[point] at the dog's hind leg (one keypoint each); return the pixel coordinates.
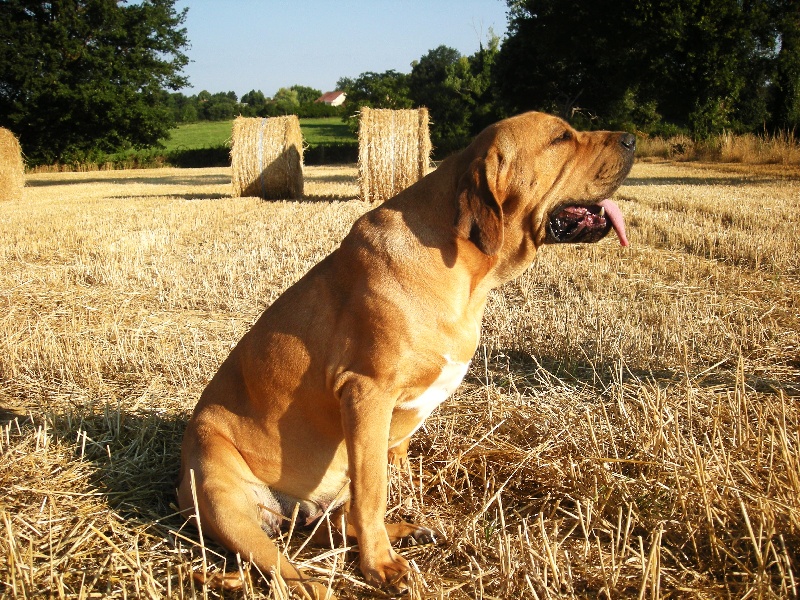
(236, 509)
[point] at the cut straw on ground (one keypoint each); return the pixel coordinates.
(629, 427)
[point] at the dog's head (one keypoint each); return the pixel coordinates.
(533, 179)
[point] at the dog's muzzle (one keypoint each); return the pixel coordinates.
(585, 224)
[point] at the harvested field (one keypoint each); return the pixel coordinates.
(629, 427)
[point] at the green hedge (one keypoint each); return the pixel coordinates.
(210, 156)
(331, 154)
(219, 156)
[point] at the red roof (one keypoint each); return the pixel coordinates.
(329, 97)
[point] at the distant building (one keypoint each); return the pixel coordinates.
(333, 98)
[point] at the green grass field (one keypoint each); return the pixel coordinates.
(199, 135)
(205, 134)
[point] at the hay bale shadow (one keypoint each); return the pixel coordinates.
(267, 157)
(276, 181)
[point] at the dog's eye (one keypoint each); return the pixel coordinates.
(564, 137)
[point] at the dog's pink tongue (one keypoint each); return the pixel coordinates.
(614, 214)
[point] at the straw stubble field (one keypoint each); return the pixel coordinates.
(629, 426)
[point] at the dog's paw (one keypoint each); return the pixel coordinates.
(388, 575)
(317, 591)
(423, 536)
(219, 581)
(411, 534)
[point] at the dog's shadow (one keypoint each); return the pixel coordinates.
(128, 463)
(539, 372)
(133, 457)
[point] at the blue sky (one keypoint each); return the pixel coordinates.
(240, 45)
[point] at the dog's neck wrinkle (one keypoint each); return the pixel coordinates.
(427, 209)
(425, 254)
(440, 208)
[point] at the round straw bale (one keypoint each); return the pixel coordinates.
(267, 157)
(12, 169)
(394, 149)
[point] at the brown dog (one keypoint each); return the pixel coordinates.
(350, 360)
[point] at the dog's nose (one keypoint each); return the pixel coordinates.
(628, 140)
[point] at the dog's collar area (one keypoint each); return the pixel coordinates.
(576, 223)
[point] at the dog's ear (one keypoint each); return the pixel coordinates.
(479, 216)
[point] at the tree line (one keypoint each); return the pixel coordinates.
(223, 106)
(656, 66)
(84, 76)
(456, 89)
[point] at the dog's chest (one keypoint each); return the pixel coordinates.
(445, 384)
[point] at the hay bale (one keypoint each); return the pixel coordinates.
(267, 157)
(12, 169)
(394, 149)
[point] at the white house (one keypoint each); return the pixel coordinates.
(333, 98)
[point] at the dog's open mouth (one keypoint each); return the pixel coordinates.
(586, 224)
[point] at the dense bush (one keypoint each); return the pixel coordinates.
(332, 153)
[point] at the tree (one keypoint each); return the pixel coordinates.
(81, 76)
(701, 64)
(435, 82)
(221, 106)
(785, 104)
(305, 94)
(254, 98)
(486, 108)
(184, 109)
(720, 63)
(566, 57)
(456, 90)
(255, 103)
(286, 101)
(376, 90)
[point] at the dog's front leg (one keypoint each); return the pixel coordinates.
(366, 419)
